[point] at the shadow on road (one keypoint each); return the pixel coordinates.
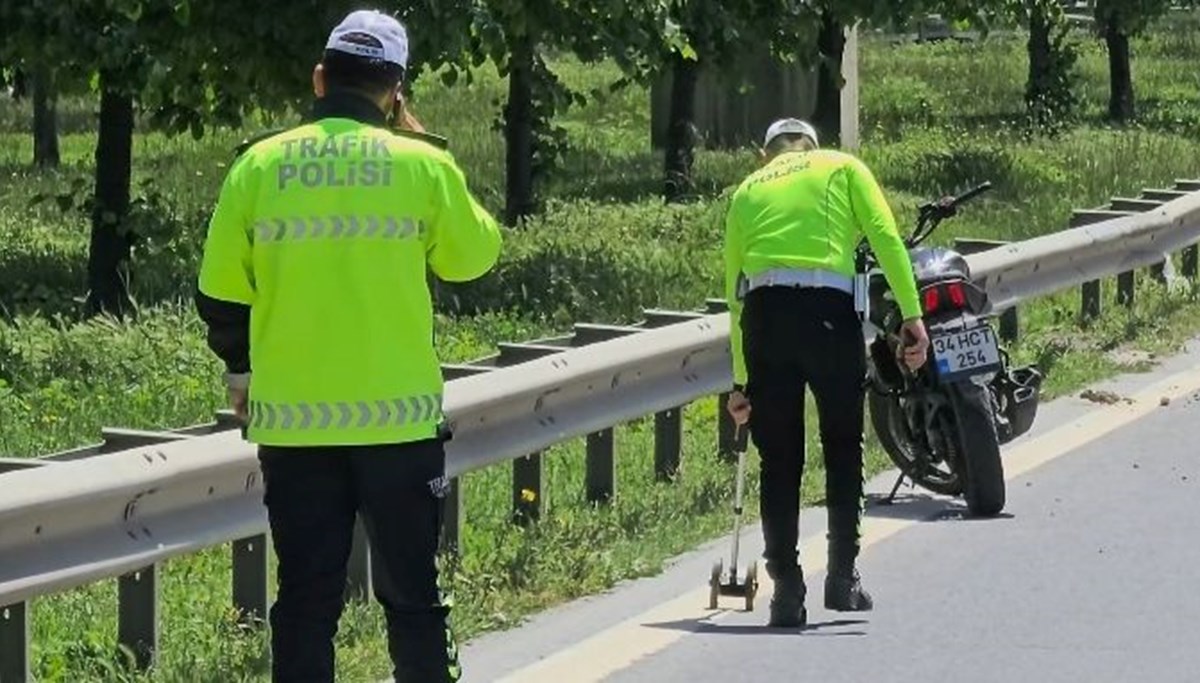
(922, 507)
(820, 628)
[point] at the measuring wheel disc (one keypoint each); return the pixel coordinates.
(714, 584)
(751, 585)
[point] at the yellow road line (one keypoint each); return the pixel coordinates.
(622, 645)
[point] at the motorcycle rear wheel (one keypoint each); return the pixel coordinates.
(984, 488)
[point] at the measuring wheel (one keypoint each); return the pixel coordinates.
(751, 585)
(714, 583)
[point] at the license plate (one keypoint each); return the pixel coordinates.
(967, 352)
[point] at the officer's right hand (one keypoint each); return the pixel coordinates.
(239, 401)
(738, 407)
(404, 117)
(915, 349)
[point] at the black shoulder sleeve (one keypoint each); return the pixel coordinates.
(229, 323)
(228, 331)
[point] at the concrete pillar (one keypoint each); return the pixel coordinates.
(850, 99)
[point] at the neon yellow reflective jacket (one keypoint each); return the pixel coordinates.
(808, 210)
(326, 231)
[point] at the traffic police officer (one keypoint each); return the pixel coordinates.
(791, 230)
(314, 280)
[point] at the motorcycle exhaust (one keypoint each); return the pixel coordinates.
(1021, 388)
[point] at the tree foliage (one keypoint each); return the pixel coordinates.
(716, 34)
(515, 35)
(185, 65)
(1131, 17)
(1050, 91)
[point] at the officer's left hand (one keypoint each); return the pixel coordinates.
(738, 407)
(238, 401)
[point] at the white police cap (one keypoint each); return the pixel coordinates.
(387, 31)
(790, 127)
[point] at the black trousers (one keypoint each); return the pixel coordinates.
(793, 338)
(312, 498)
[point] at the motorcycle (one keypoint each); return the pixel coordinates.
(943, 425)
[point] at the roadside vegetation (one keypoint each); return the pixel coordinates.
(936, 118)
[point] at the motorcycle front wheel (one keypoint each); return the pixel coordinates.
(933, 467)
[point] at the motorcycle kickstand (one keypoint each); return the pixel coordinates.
(891, 497)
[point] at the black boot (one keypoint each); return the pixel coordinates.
(787, 604)
(844, 592)
(843, 587)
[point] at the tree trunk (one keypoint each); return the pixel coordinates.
(518, 133)
(1039, 91)
(831, 43)
(1120, 98)
(1037, 86)
(681, 129)
(108, 258)
(45, 119)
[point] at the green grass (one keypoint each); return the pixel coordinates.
(936, 118)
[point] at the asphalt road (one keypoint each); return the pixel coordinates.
(1090, 576)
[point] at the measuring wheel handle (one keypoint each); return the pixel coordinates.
(751, 585)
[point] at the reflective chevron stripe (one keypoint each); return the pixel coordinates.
(296, 228)
(345, 414)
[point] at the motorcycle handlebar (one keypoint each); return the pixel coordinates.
(949, 205)
(931, 214)
(973, 193)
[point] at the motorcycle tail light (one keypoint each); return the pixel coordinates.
(958, 295)
(931, 300)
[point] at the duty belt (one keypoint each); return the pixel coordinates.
(801, 279)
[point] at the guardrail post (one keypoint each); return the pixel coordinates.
(527, 488)
(726, 447)
(358, 569)
(250, 579)
(1126, 284)
(1158, 272)
(668, 442)
(1010, 325)
(452, 516)
(137, 614)
(14, 644)
(527, 495)
(1091, 306)
(1190, 262)
(601, 480)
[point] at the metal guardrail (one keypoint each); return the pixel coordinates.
(144, 497)
(117, 509)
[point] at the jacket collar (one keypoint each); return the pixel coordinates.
(347, 105)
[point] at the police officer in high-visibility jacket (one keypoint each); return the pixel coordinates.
(791, 230)
(313, 286)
